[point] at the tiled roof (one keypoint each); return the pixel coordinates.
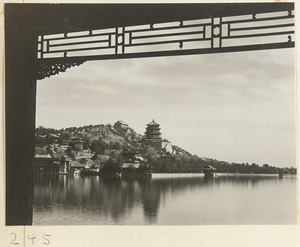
(48, 156)
(79, 157)
(209, 168)
(121, 122)
(77, 164)
(86, 162)
(153, 123)
(90, 162)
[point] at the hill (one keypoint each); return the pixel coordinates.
(110, 141)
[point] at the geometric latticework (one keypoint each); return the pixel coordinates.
(269, 30)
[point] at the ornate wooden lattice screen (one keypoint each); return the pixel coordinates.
(57, 52)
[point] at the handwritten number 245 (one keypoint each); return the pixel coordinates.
(32, 238)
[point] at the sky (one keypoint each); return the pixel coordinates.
(235, 107)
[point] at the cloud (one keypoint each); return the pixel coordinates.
(208, 104)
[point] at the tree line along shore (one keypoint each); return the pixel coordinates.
(111, 142)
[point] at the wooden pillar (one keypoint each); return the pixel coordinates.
(20, 99)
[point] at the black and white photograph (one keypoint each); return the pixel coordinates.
(150, 114)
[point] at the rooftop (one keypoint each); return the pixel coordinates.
(102, 15)
(209, 168)
(48, 156)
(121, 122)
(153, 123)
(77, 164)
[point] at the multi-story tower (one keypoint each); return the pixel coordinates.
(152, 135)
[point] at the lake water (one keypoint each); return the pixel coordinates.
(166, 199)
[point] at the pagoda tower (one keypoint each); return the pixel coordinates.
(152, 135)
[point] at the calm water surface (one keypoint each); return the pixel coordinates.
(166, 199)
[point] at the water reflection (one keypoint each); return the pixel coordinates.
(95, 200)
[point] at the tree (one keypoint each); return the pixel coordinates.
(77, 147)
(64, 136)
(40, 142)
(70, 152)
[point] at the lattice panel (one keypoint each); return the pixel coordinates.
(211, 35)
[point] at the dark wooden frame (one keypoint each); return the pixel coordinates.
(23, 24)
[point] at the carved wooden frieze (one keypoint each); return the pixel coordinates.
(217, 34)
(47, 69)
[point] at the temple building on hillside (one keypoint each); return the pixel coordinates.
(120, 125)
(152, 136)
(76, 141)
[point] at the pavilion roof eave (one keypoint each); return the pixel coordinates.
(73, 17)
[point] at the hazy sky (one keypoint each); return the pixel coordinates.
(236, 107)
